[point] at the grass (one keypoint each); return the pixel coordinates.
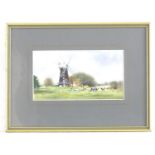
(71, 93)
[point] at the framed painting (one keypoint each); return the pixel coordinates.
(78, 77)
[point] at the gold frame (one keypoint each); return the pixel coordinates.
(79, 129)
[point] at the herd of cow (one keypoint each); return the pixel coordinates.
(92, 89)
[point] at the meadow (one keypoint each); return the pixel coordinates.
(74, 93)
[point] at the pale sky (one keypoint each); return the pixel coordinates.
(103, 65)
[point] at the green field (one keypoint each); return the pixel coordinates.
(72, 93)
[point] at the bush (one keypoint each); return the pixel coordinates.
(116, 85)
(48, 82)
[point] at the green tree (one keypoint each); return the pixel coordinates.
(48, 82)
(114, 84)
(83, 78)
(36, 82)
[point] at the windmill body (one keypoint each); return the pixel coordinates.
(64, 77)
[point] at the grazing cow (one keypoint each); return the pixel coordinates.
(94, 89)
(102, 89)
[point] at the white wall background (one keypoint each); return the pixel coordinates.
(75, 11)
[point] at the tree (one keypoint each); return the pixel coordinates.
(83, 78)
(36, 82)
(114, 84)
(74, 81)
(48, 82)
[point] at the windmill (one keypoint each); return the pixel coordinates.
(64, 76)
